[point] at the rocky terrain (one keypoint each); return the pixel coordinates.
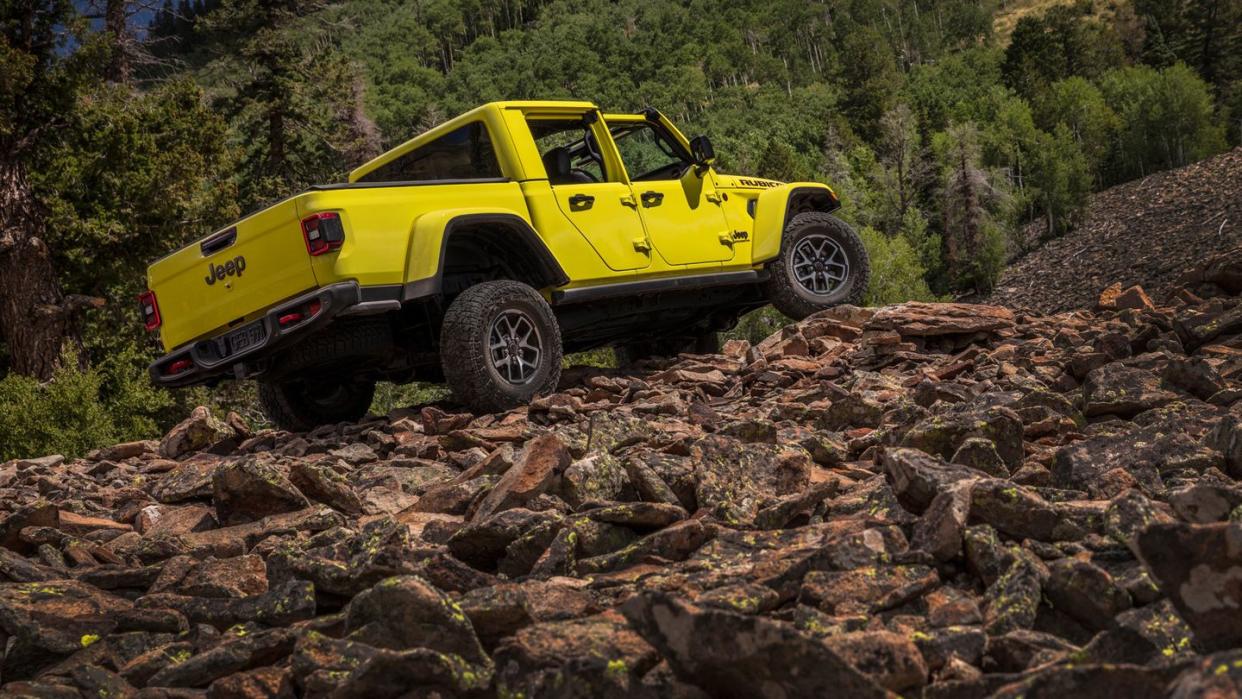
(931, 500)
(1150, 232)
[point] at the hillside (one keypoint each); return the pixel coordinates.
(1148, 232)
(937, 498)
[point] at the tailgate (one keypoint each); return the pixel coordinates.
(231, 275)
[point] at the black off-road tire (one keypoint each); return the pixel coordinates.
(347, 343)
(465, 351)
(301, 405)
(794, 300)
(315, 381)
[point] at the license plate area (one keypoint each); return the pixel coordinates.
(232, 343)
(241, 339)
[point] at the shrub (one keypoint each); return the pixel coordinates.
(897, 274)
(79, 409)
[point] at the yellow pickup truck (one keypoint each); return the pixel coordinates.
(479, 251)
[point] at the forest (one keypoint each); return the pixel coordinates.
(958, 133)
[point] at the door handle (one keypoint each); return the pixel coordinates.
(641, 245)
(652, 198)
(581, 202)
(713, 197)
(628, 200)
(726, 239)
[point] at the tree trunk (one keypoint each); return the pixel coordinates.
(115, 17)
(34, 320)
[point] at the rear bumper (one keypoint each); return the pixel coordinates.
(209, 360)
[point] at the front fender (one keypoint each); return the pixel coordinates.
(425, 254)
(773, 211)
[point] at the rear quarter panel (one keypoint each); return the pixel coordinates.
(393, 233)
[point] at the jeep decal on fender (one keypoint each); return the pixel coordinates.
(233, 267)
(747, 182)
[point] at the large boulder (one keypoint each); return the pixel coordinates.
(736, 478)
(736, 655)
(251, 489)
(195, 433)
(1199, 567)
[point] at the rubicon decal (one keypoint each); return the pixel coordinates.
(233, 267)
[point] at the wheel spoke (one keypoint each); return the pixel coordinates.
(515, 346)
(818, 264)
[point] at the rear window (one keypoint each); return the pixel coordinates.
(463, 154)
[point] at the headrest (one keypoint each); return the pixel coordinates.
(556, 162)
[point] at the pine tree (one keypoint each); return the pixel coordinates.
(298, 103)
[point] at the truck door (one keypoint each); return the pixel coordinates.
(596, 200)
(680, 208)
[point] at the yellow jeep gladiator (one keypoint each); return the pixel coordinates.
(479, 251)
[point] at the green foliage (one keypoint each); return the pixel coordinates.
(1167, 118)
(756, 326)
(1062, 42)
(79, 409)
(1060, 178)
(391, 396)
(897, 273)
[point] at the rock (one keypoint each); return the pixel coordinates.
(242, 576)
(407, 612)
(1217, 675)
(276, 683)
(735, 655)
(1107, 300)
(1199, 567)
(170, 520)
(242, 649)
(197, 432)
(251, 489)
(734, 477)
(544, 458)
(940, 530)
(1086, 592)
(598, 655)
(1116, 389)
(320, 483)
(1134, 298)
(944, 433)
(596, 477)
(918, 478)
(866, 590)
(892, 661)
(1018, 512)
(917, 319)
(44, 621)
(1141, 453)
(1013, 600)
(980, 454)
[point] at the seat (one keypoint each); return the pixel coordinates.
(559, 166)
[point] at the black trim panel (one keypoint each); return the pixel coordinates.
(405, 183)
(551, 268)
(648, 286)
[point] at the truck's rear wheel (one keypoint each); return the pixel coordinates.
(822, 264)
(500, 346)
(303, 404)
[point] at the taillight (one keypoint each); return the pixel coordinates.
(323, 232)
(179, 366)
(150, 310)
(296, 315)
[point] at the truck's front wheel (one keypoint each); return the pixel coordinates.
(822, 264)
(301, 405)
(500, 346)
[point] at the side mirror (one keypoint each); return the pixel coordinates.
(702, 151)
